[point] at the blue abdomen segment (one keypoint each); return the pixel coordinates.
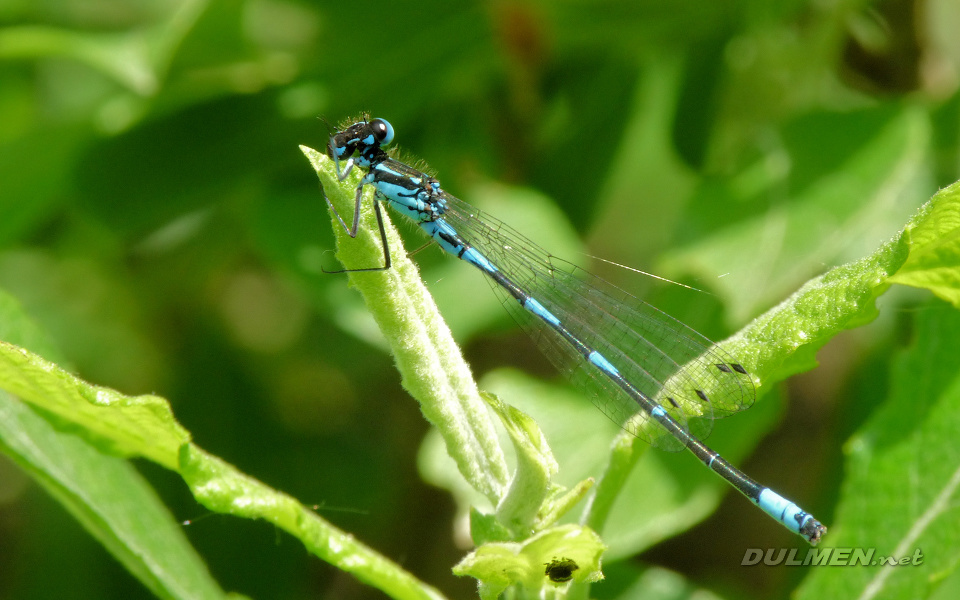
(451, 242)
(534, 306)
(788, 513)
(600, 361)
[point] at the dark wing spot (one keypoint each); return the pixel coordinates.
(673, 402)
(738, 368)
(724, 368)
(703, 395)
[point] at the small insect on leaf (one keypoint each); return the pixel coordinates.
(560, 570)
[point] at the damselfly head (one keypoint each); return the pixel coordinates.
(360, 137)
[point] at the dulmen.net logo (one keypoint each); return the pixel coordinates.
(827, 557)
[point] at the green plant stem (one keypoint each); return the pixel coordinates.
(430, 364)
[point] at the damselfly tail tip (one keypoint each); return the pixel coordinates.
(813, 531)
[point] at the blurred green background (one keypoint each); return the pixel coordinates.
(159, 222)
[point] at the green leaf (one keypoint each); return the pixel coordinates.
(498, 565)
(105, 494)
(486, 528)
(111, 421)
(784, 341)
(114, 423)
(107, 341)
(110, 499)
(429, 361)
(934, 239)
(661, 495)
(221, 488)
(901, 496)
(535, 468)
(533, 501)
(94, 420)
(779, 343)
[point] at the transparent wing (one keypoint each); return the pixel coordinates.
(667, 361)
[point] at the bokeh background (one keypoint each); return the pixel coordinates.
(159, 222)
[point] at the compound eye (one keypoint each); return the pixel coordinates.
(382, 130)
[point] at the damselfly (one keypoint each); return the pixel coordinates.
(657, 378)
